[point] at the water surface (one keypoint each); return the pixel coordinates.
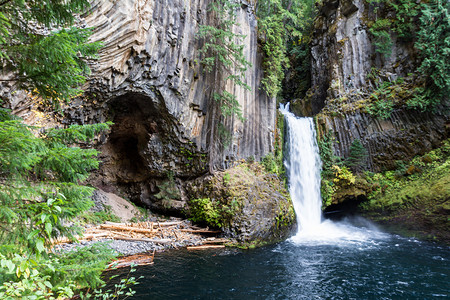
(324, 260)
(368, 265)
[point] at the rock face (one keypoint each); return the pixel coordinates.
(255, 207)
(149, 82)
(343, 64)
(343, 54)
(401, 137)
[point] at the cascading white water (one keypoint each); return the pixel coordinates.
(303, 166)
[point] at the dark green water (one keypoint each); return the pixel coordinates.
(360, 264)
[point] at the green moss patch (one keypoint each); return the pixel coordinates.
(416, 202)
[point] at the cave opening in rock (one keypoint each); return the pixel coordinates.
(126, 169)
(344, 209)
(131, 165)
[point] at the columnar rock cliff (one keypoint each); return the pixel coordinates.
(345, 66)
(150, 83)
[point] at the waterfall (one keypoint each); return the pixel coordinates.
(303, 166)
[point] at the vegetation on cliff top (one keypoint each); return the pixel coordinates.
(425, 24)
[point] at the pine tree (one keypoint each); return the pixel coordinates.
(41, 46)
(223, 55)
(357, 157)
(40, 180)
(41, 192)
(224, 50)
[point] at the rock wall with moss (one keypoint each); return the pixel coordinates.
(414, 199)
(365, 86)
(248, 203)
(379, 96)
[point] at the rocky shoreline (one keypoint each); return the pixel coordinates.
(127, 238)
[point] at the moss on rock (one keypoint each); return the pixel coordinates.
(417, 204)
(254, 206)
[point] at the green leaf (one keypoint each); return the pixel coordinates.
(33, 234)
(40, 245)
(10, 265)
(43, 218)
(48, 229)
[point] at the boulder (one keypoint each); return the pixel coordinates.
(255, 206)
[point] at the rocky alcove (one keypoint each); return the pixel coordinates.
(134, 118)
(145, 158)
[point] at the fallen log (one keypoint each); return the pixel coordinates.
(200, 231)
(158, 241)
(217, 241)
(204, 247)
(127, 228)
(95, 235)
(137, 260)
(170, 223)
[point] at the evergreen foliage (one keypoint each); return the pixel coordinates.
(223, 50)
(283, 25)
(380, 30)
(433, 42)
(402, 25)
(39, 181)
(358, 155)
(427, 24)
(39, 43)
(40, 193)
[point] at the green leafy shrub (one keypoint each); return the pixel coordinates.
(204, 211)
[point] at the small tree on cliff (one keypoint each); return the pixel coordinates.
(42, 48)
(357, 157)
(223, 55)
